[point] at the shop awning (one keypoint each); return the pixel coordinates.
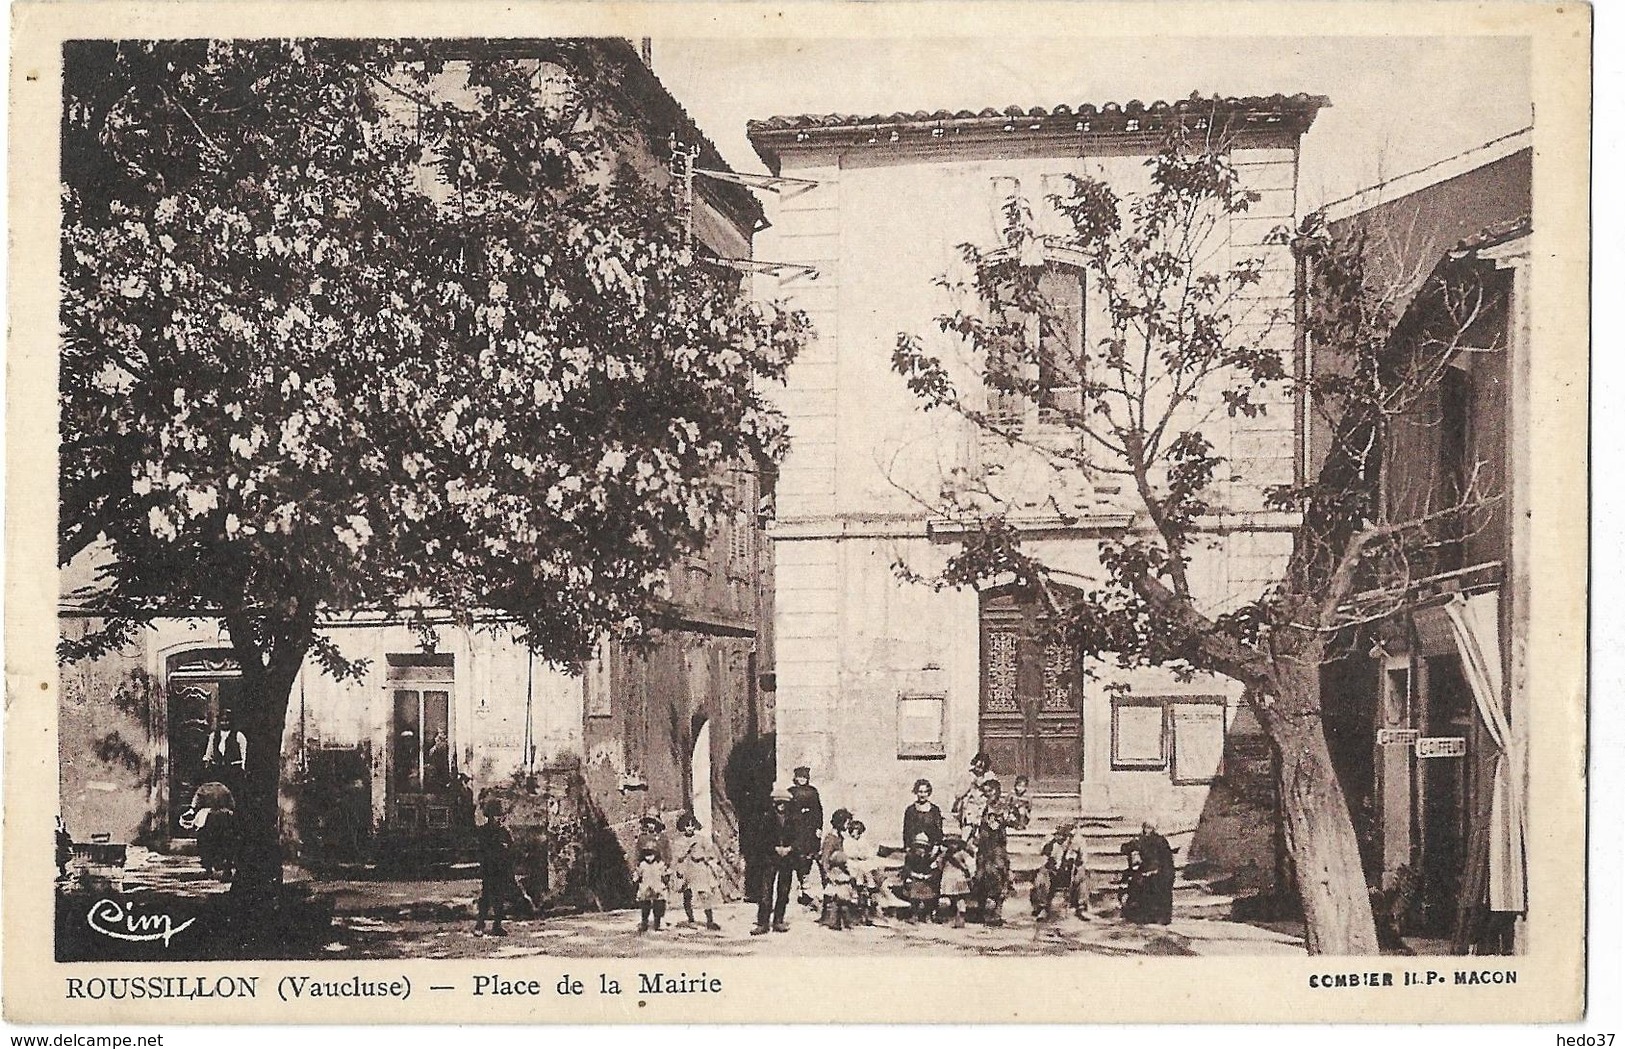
(1476, 623)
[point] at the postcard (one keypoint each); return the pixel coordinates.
(694, 512)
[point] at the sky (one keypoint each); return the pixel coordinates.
(1398, 103)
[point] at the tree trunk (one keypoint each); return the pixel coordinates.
(267, 685)
(1319, 831)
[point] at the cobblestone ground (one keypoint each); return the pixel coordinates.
(364, 927)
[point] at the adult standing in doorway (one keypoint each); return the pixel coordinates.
(225, 755)
(807, 823)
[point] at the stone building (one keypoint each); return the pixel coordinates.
(882, 681)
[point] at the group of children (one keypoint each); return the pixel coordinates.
(853, 877)
(971, 865)
(939, 867)
(692, 868)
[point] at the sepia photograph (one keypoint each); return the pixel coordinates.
(819, 496)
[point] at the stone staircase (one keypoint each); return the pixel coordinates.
(1106, 833)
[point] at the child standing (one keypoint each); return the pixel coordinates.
(494, 844)
(1019, 805)
(833, 842)
(653, 876)
(920, 878)
(838, 892)
(955, 867)
(866, 873)
(697, 867)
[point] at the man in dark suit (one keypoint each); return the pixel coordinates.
(807, 822)
(778, 866)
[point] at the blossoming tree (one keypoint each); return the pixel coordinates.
(337, 336)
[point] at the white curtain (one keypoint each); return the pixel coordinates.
(1476, 622)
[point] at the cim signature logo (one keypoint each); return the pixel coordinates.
(121, 922)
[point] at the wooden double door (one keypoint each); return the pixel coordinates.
(1031, 696)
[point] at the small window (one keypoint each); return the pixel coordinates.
(1139, 735)
(600, 699)
(920, 725)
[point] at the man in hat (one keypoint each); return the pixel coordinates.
(779, 866)
(807, 822)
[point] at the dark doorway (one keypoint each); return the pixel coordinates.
(1449, 712)
(199, 685)
(335, 804)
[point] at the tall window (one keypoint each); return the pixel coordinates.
(421, 757)
(742, 520)
(1048, 370)
(1061, 347)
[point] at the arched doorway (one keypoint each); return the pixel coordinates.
(699, 763)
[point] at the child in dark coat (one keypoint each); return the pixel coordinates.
(494, 845)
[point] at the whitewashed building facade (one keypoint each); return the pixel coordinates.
(881, 681)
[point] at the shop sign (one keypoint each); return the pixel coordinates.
(1401, 737)
(1441, 747)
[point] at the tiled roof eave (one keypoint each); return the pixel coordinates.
(1132, 116)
